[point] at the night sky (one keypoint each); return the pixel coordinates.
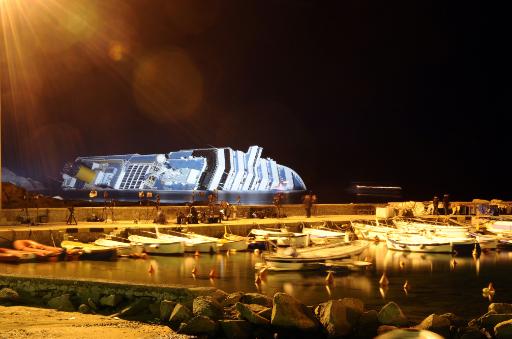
(407, 93)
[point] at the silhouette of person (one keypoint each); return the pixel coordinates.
(307, 201)
(435, 204)
(446, 203)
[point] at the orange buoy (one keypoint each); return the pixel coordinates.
(212, 273)
(196, 254)
(329, 280)
(384, 280)
(151, 269)
(491, 288)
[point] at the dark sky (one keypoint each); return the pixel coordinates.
(409, 93)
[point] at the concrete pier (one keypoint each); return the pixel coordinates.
(136, 220)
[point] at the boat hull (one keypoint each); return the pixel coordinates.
(313, 258)
(417, 247)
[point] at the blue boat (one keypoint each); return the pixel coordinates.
(185, 176)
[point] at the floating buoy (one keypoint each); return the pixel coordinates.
(194, 271)
(407, 286)
(212, 273)
(151, 269)
(491, 288)
(196, 254)
(329, 280)
(384, 280)
(257, 251)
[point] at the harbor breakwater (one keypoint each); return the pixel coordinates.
(210, 312)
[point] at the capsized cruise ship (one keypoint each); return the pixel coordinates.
(184, 176)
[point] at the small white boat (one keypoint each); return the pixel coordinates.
(321, 236)
(314, 257)
(159, 246)
(487, 241)
(414, 242)
(500, 227)
(123, 248)
(193, 242)
(280, 238)
(418, 243)
(233, 242)
(437, 229)
(372, 230)
(228, 242)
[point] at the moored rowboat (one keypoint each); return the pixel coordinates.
(89, 251)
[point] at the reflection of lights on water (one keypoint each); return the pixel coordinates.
(477, 267)
(383, 291)
(288, 288)
(328, 289)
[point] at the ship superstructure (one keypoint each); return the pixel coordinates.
(175, 175)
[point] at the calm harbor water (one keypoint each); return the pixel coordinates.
(437, 285)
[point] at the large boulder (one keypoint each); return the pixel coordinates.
(111, 300)
(409, 333)
(166, 308)
(489, 320)
(266, 313)
(236, 329)
(248, 314)
(391, 314)
(289, 312)
(368, 325)
(333, 316)
(355, 308)
(435, 323)
(215, 293)
(503, 330)
(83, 308)
(231, 299)
(256, 298)
(502, 308)
(62, 303)
(207, 306)
(471, 332)
(179, 314)
(136, 308)
(8, 294)
(455, 320)
(199, 325)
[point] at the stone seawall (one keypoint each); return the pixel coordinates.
(212, 313)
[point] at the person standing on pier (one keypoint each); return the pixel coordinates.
(446, 204)
(307, 201)
(435, 205)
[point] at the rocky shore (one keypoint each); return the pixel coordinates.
(212, 313)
